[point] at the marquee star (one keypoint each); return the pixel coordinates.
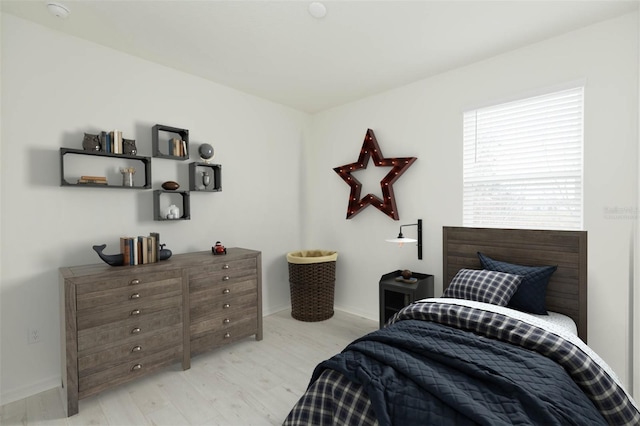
(370, 149)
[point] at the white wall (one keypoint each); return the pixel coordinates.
(424, 120)
(54, 88)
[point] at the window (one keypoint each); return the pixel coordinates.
(523, 163)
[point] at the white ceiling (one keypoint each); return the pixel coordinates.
(278, 51)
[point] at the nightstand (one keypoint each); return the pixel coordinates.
(395, 295)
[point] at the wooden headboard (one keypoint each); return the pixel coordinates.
(567, 289)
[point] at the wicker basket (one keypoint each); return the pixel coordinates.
(312, 277)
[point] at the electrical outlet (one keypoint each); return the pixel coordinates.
(33, 336)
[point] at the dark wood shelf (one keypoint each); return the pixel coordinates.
(195, 180)
(185, 211)
(165, 152)
(146, 161)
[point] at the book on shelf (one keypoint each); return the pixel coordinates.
(125, 249)
(102, 180)
(177, 147)
(116, 138)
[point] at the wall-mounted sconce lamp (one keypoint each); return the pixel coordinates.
(401, 239)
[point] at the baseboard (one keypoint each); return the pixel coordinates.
(355, 311)
(24, 392)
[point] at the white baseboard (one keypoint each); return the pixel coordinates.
(12, 395)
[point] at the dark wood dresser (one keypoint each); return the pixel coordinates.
(119, 323)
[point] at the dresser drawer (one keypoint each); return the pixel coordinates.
(94, 383)
(129, 330)
(221, 293)
(236, 270)
(131, 351)
(130, 294)
(245, 304)
(223, 336)
(244, 309)
(131, 309)
(127, 278)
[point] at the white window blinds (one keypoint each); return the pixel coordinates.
(523, 163)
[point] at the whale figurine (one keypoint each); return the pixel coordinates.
(110, 259)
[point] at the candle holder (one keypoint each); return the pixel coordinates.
(127, 176)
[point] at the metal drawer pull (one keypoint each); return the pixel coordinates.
(227, 335)
(135, 312)
(225, 278)
(135, 296)
(136, 367)
(225, 266)
(226, 306)
(226, 291)
(226, 321)
(134, 281)
(136, 330)
(136, 348)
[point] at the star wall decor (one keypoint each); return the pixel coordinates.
(370, 149)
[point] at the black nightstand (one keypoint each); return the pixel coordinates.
(395, 295)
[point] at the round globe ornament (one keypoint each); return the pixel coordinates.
(206, 152)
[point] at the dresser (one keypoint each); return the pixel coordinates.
(120, 323)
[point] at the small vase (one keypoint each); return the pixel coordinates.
(127, 179)
(127, 176)
(206, 179)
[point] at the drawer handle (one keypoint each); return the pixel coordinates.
(226, 321)
(134, 281)
(136, 348)
(226, 291)
(135, 312)
(135, 296)
(136, 367)
(227, 335)
(225, 266)
(225, 278)
(136, 330)
(226, 306)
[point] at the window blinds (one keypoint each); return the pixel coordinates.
(522, 165)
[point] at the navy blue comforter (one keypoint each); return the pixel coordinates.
(419, 372)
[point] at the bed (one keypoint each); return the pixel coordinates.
(484, 353)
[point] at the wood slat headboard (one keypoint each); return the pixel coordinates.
(567, 289)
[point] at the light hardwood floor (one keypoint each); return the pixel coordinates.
(246, 383)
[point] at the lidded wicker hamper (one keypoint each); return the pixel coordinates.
(312, 277)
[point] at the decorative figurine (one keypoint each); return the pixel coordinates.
(206, 179)
(173, 212)
(406, 276)
(129, 146)
(110, 259)
(164, 253)
(91, 142)
(170, 185)
(218, 249)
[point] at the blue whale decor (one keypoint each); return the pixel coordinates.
(110, 259)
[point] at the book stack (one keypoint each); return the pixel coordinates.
(100, 180)
(111, 141)
(140, 250)
(177, 147)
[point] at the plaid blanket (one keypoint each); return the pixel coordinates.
(332, 399)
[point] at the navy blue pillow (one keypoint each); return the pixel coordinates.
(532, 290)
